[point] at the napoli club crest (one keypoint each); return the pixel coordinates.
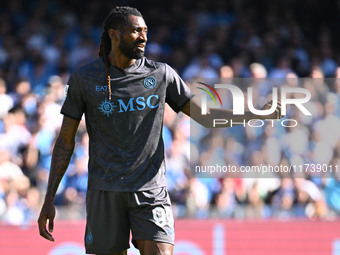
(150, 82)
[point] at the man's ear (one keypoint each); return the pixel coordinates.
(114, 34)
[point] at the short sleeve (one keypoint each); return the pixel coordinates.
(177, 93)
(74, 105)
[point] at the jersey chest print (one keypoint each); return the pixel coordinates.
(130, 104)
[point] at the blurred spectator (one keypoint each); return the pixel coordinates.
(332, 190)
(226, 72)
(8, 169)
(22, 89)
(226, 199)
(307, 195)
(282, 68)
(258, 71)
(281, 200)
(14, 124)
(197, 199)
(6, 101)
(255, 208)
(200, 67)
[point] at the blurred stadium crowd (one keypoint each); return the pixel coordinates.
(41, 42)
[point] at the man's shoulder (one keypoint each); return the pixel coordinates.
(90, 66)
(153, 64)
(159, 67)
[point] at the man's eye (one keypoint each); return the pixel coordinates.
(138, 30)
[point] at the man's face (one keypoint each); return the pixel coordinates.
(133, 37)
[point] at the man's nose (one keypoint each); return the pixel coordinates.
(143, 36)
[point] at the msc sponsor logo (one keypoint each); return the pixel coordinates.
(129, 104)
(106, 107)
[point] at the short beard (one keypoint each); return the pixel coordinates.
(130, 52)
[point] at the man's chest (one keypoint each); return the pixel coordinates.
(128, 95)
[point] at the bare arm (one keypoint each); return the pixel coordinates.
(193, 110)
(62, 152)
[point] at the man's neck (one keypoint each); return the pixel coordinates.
(120, 61)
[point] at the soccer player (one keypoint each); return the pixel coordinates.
(122, 95)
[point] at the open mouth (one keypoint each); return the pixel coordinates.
(141, 47)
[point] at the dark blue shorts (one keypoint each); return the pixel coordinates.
(111, 215)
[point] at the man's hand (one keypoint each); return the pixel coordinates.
(47, 213)
(62, 152)
(277, 113)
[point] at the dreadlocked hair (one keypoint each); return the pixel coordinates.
(116, 18)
